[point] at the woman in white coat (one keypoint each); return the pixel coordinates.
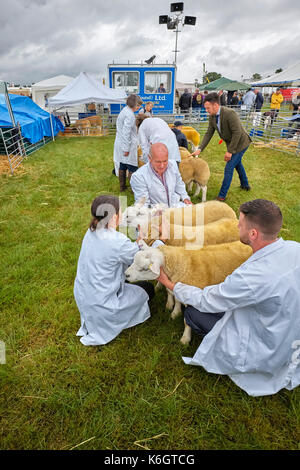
(107, 304)
(126, 142)
(152, 131)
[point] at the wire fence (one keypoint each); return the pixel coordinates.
(267, 129)
(16, 147)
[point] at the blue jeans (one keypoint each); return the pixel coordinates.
(234, 163)
(125, 166)
(201, 323)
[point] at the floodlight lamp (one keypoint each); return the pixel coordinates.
(190, 20)
(177, 7)
(163, 19)
(171, 24)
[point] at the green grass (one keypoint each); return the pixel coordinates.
(56, 393)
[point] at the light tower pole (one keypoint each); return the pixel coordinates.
(173, 22)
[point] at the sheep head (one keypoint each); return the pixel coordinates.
(146, 265)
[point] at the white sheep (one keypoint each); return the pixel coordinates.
(224, 230)
(203, 267)
(192, 215)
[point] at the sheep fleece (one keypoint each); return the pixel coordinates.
(205, 267)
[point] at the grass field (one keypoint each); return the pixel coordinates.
(56, 393)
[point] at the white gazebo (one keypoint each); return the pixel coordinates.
(84, 89)
(42, 91)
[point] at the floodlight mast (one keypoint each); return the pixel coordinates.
(173, 22)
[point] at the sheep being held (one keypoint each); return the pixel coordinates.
(195, 170)
(200, 268)
(224, 230)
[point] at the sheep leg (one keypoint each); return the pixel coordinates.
(204, 191)
(187, 334)
(170, 301)
(176, 310)
(158, 286)
(190, 186)
(197, 190)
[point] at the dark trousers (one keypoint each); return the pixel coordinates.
(234, 163)
(147, 286)
(201, 323)
(125, 166)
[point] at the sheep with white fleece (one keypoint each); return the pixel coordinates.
(200, 268)
(224, 230)
(197, 214)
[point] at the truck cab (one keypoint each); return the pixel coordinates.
(145, 80)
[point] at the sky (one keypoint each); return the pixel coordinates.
(44, 38)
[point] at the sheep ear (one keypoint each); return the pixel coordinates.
(155, 268)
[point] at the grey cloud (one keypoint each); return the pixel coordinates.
(43, 37)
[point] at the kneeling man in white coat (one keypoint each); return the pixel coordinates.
(251, 322)
(159, 180)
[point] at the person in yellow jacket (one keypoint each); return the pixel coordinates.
(276, 101)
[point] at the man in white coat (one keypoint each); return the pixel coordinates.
(154, 130)
(159, 180)
(251, 321)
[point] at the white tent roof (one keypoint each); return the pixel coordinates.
(86, 89)
(53, 83)
(181, 86)
(287, 76)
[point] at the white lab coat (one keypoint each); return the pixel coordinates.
(106, 304)
(145, 183)
(155, 130)
(257, 341)
(126, 139)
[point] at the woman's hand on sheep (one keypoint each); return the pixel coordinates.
(187, 201)
(163, 279)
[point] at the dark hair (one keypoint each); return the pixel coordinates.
(212, 98)
(140, 118)
(134, 100)
(266, 215)
(103, 209)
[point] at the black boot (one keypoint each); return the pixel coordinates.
(122, 179)
(129, 175)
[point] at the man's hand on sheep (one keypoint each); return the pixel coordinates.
(227, 156)
(187, 201)
(163, 279)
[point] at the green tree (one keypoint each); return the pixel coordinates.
(278, 70)
(256, 76)
(211, 77)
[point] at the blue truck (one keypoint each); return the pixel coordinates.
(145, 81)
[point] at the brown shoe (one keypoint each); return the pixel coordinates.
(222, 199)
(122, 180)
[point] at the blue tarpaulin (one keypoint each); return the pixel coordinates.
(34, 121)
